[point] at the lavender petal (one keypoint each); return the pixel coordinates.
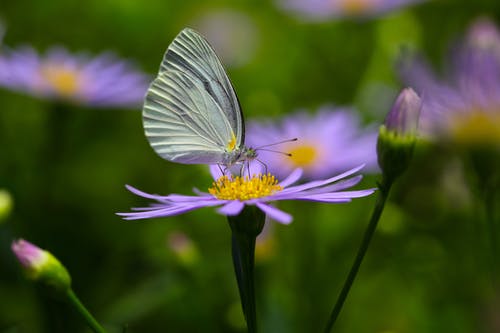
(232, 208)
(275, 213)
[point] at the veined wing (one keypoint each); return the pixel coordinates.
(191, 53)
(183, 122)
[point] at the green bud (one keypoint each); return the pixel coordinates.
(183, 248)
(5, 204)
(41, 266)
(398, 135)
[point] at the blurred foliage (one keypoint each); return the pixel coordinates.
(427, 270)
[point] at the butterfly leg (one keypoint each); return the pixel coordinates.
(264, 164)
(222, 171)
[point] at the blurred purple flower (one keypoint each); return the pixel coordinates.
(232, 33)
(322, 10)
(233, 193)
(465, 107)
(102, 81)
(329, 142)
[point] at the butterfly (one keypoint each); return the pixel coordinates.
(191, 113)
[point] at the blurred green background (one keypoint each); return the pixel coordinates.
(427, 269)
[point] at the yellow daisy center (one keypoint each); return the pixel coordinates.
(355, 6)
(477, 128)
(64, 81)
(303, 155)
(244, 188)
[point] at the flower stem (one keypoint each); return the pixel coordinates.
(245, 228)
(91, 321)
(485, 164)
(493, 232)
(384, 188)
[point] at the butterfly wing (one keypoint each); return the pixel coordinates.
(191, 111)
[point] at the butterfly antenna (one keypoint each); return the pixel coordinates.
(276, 143)
(277, 151)
(263, 148)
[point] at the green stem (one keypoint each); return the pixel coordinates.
(383, 193)
(91, 321)
(243, 249)
(493, 232)
(485, 163)
(245, 228)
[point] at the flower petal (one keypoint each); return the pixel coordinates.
(144, 194)
(274, 213)
(338, 186)
(319, 183)
(171, 197)
(216, 171)
(232, 208)
(167, 210)
(327, 197)
(292, 178)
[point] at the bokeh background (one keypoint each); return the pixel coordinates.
(64, 167)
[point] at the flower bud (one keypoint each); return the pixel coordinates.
(404, 114)
(41, 266)
(398, 135)
(183, 247)
(484, 35)
(5, 204)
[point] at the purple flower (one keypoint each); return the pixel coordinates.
(232, 33)
(329, 142)
(321, 10)
(101, 81)
(465, 106)
(232, 193)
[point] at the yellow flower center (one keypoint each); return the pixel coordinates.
(477, 128)
(64, 81)
(244, 188)
(303, 155)
(355, 6)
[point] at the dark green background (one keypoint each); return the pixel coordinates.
(427, 269)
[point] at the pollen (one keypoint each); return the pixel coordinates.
(244, 188)
(231, 145)
(64, 81)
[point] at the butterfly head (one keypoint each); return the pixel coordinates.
(248, 154)
(239, 155)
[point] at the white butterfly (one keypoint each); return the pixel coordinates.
(191, 114)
